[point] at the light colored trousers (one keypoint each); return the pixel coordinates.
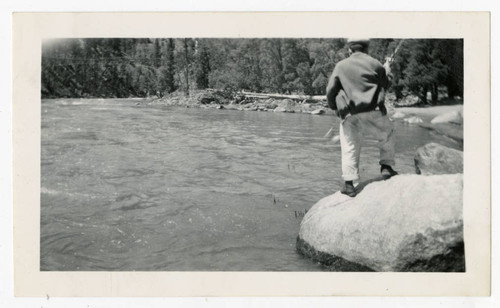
(353, 128)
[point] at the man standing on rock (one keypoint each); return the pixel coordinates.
(356, 91)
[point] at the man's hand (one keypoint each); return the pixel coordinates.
(387, 64)
(387, 67)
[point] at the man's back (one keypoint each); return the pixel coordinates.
(362, 78)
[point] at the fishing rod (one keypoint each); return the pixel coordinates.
(387, 66)
(391, 58)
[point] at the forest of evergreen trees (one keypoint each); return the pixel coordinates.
(124, 67)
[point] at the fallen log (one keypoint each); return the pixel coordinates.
(284, 96)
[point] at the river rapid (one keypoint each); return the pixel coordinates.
(130, 187)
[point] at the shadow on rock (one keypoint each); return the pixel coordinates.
(359, 188)
(330, 262)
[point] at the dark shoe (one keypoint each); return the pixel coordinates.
(349, 190)
(387, 172)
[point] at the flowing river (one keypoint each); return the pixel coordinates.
(131, 187)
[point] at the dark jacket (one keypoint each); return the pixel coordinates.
(361, 81)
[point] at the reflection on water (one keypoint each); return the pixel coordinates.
(131, 187)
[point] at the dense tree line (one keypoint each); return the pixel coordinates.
(123, 67)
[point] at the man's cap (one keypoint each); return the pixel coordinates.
(358, 41)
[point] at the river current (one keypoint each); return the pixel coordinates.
(127, 186)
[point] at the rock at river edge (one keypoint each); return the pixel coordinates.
(434, 158)
(318, 111)
(450, 117)
(286, 105)
(406, 223)
(398, 115)
(413, 120)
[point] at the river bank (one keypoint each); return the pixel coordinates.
(446, 120)
(242, 102)
(298, 104)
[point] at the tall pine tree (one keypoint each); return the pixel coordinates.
(425, 70)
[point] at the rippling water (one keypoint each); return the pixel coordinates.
(133, 187)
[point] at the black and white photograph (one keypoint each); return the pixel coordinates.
(229, 162)
(189, 154)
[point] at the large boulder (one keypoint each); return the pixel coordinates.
(406, 223)
(434, 158)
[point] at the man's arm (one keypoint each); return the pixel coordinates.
(332, 89)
